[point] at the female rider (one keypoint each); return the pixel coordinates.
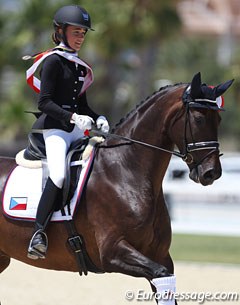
(65, 113)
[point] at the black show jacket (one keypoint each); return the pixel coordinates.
(61, 83)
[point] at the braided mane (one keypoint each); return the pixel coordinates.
(122, 120)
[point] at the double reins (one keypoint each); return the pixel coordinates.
(115, 136)
(187, 156)
(213, 146)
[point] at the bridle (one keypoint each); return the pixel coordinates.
(186, 155)
(213, 146)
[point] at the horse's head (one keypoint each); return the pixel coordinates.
(199, 118)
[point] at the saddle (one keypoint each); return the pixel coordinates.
(34, 156)
(35, 153)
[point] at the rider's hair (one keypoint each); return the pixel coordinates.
(56, 38)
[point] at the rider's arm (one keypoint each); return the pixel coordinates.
(50, 74)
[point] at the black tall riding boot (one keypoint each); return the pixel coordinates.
(39, 242)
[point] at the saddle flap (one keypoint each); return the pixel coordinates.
(24, 188)
(36, 147)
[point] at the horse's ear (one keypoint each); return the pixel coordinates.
(220, 89)
(196, 86)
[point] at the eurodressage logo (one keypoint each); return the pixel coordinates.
(18, 203)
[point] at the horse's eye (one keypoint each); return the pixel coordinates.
(200, 120)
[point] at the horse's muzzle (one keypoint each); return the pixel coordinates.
(205, 176)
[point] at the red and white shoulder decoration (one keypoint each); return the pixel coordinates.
(35, 83)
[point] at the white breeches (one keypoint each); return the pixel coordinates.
(57, 143)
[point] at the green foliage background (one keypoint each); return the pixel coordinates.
(135, 44)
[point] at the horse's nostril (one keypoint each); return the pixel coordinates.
(209, 175)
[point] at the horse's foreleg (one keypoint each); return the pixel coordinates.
(169, 264)
(4, 261)
(122, 257)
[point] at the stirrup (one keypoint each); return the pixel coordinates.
(38, 250)
(34, 254)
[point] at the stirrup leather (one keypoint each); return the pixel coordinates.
(38, 250)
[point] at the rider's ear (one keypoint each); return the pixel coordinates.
(220, 89)
(196, 86)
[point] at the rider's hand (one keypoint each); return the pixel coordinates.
(102, 124)
(83, 122)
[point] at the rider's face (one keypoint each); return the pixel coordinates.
(75, 36)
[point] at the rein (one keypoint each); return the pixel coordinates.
(112, 135)
(189, 147)
(187, 157)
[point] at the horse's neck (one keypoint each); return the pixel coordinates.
(151, 121)
(149, 124)
(151, 118)
(141, 123)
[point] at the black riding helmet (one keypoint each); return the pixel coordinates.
(71, 15)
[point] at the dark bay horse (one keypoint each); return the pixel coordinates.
(123, 216)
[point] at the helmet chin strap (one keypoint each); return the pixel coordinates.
(62, 36)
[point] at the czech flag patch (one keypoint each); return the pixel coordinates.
(18, 203)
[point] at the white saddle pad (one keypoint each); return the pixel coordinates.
(24, 188)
